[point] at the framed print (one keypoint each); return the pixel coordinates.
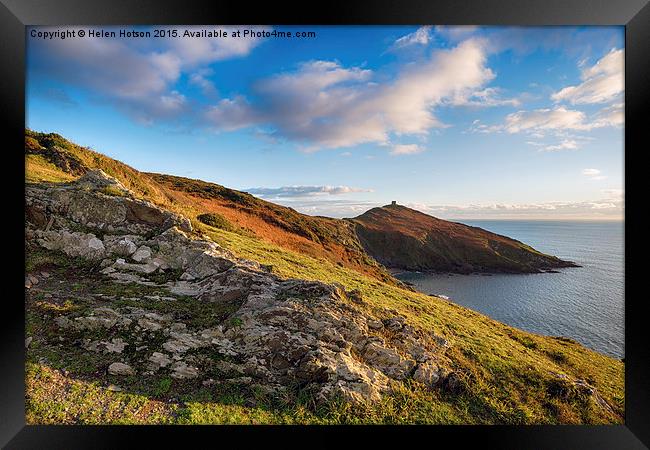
(368, 219)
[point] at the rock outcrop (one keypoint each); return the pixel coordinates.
(88, 203)
(281, 333)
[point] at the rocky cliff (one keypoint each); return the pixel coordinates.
(280, 332)
(406, 239)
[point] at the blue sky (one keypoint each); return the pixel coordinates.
(458, 122)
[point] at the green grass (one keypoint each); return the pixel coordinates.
(55, 399)
(38, 169)
(113, 191)
(215, 220)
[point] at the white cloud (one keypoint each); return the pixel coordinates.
(326, 105)
(304, 191)
(607, 208)
(136, 77)
(566, 144)
(610, 208)
(232, 114)
(605, 205)
(601, 82)
(201, 80)
(456, 32)
(422, 36)
(613, 193)
(99, 65)
(334, 207)
(611, 115)
(558, 118)
(593, 174)
(557, 121)
(406, 149)
(483, 98)
(478, 127)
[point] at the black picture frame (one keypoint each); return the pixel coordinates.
(15, 15)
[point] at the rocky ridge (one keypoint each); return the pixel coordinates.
(405, 239)
(280, 334)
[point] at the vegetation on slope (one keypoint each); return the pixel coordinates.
(508, 372)
(65, 161)
(506, 375)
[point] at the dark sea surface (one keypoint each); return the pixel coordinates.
(585, 303)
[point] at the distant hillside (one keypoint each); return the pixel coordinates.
(403, 238)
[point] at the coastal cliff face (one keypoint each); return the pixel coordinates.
(402, 238)
(136, 312)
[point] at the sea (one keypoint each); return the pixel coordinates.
(583, 303)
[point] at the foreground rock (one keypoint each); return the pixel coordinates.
(88, 203)
(280, 334)
(120, 369)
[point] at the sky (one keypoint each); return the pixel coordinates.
(459, 122)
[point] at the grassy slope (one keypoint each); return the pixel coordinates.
(505, 372)
(506, 369)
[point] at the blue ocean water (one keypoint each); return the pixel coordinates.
(585, 303)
